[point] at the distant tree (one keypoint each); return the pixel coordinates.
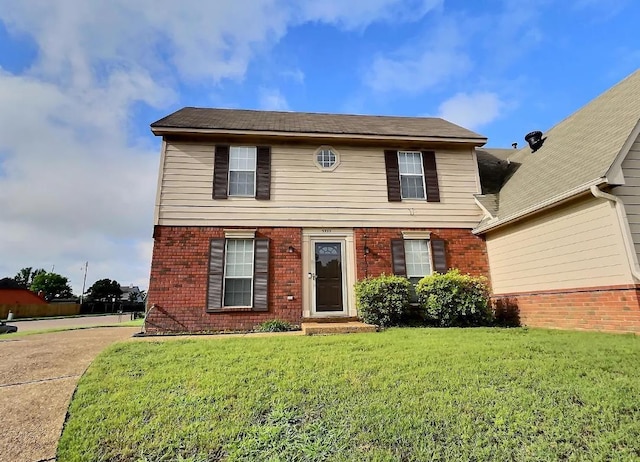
(25, 276)
(104, 290)
(52, 285)
(138, 297)
(9, 283)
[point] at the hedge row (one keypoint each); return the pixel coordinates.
(444, 300)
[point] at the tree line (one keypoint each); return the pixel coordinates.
(54, 286)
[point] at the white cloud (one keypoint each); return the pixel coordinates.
(471, 110)
(295, 75)
(75, 185)
(421, 65)
(360, 13)
(74, 188)
(272, 100)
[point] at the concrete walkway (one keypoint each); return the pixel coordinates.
(38, 376)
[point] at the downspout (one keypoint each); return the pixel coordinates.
(624, 228)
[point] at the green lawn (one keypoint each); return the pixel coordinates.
(403, 394)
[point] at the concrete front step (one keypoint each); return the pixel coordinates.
(323, 328)
(323, 320)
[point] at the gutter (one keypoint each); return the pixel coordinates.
(623, 222)
(495, 223)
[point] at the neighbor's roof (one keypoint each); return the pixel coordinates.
(493, 166)
(577, 152)
(191, 119)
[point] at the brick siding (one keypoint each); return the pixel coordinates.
(607, 308)
(178, 284)
(179, 268)
(464, 250)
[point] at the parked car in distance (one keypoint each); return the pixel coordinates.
(7, 329)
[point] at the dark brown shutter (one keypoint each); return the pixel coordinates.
(261, 276)
(263, 173)
(439, 256)
(431, 176)
(397, 257)
(393, 175)
(216, 275)
(221, 172)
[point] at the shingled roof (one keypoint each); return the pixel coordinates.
(577, 152)
(191, 119)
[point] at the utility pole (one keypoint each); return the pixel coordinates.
(84, 281)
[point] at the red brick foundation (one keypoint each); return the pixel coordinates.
(178, 284)
(179, 268)
(465, 251)
(608, 309)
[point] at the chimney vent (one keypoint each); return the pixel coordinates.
(535, 140)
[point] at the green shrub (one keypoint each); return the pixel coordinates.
(274, 325)
(454, 299)
(383, 300)
(506, 312)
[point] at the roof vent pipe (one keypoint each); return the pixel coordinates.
(535, 140)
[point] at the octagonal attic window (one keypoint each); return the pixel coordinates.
(326, 158)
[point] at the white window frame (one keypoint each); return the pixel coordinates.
(319, 165)
(429, 257)
(255, 171)
(253, 271)
(400, 175)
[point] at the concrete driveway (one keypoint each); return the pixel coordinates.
(81, 321)
(38, 375)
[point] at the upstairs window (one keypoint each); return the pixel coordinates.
(411, 175)
(242, 171)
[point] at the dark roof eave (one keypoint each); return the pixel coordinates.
(162, 130)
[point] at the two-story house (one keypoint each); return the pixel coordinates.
(262, 215)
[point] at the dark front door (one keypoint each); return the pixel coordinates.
(328, 277)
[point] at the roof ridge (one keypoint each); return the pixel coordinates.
(332, 114)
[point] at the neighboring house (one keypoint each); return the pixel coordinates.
(562, 224)
(262, 215)
(18, 300)
(131, 293)
(12, 294)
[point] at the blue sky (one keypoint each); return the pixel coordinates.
(80, 82)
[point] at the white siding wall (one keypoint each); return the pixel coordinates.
(354, 194)
(630, 192)
(575, 245)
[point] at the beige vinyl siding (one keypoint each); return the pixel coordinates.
(354, 194)
(574, 245)
(630, 192)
